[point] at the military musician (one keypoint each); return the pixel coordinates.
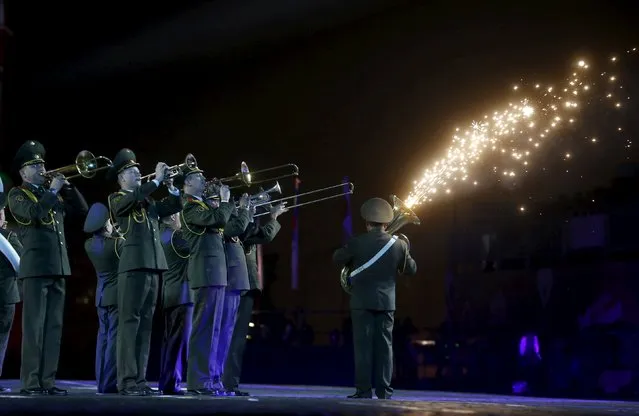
(103, 249)
(255, 234)
(141, 261)
(40, 211)
(177, 305)
(203, 224)
(9, 294)
(237, 284)
(376, 258)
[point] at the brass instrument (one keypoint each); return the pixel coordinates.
(264, 196)
(86, 165)
(175, 170)
(403, 216)
(246, 179)
(351, 189)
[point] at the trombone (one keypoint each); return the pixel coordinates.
(86, 165)
(349, 185)
(175, 170)
(245, 176)
(264, 196)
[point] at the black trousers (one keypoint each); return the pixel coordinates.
(233, 365)
(205, 334)
(373, 343)
(42, 315)
(137, 296)
(227, 326)
(175, 346)
(105, 349)
(7, 312)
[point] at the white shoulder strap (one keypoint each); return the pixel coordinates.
(10, 253)
(376, 257)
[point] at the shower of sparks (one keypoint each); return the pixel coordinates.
(520, 130)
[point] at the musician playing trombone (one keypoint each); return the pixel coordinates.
(141, 261)
(377, 257)
(255, 234)
(237, 284)
(203, 228)
(40, 212)
(9, 294)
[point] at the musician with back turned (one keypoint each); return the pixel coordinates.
(103, 249)
(177, 306)
(375, 257)
(40, 211)
(255, 234)
(141, 262)
(9, 295)
(203, 229)
(237, 284)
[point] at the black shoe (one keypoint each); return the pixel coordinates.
(38, 391)
(4, 389)
(236, 393)
(360, 395)
(132, 391)
(386, 397)
(149, 391)
(202, 392)
(54, 391)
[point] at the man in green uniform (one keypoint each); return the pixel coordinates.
(103, 249)
(376, 257)
(237, 284)
(203, 225)
(177, 306)
(40, 211)
(254, 234)
(141, 262)
(9, 294)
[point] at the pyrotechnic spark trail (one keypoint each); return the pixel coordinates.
(514, 134)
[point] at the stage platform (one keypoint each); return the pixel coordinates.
(297, 400)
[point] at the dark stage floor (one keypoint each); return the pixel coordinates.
(306, 400)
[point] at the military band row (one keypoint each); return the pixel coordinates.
(196, 242)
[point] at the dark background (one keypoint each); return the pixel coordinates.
(364, 89)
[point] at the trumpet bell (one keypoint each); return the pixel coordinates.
(245, 174)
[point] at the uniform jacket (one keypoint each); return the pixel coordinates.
(104, 253)
(175, 282)
(203, 229)
(254, 235)
(238, 277)
(374, 288)
(137, 214)
(9, 293)
(40, 216)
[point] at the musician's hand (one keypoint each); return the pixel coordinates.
(1, 186)
(160, 171)
(252, 210)
(244, 201)
(56, 183)
(277, 210)
(225, 193)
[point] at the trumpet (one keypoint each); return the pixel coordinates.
(245, 176)
(175, 170)
(86, 165)
(349, 185)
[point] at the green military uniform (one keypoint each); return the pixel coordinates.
(104, 253)
(237, 283)
(208, 278)
(373, 298)
(177, 308)
(141, 262)
(40, 215)
(9, 294)
(254, 235)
